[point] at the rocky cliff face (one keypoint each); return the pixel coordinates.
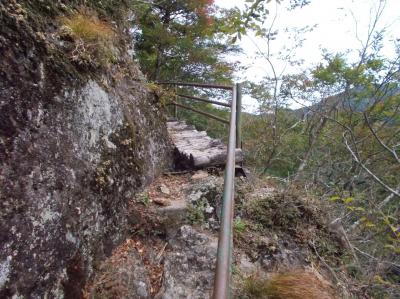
(74, 148)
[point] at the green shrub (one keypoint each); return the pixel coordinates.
(285, 210)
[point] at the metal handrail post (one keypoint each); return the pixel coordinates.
(224, 256)
(239, 115)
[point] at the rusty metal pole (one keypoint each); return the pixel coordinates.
(223, 268)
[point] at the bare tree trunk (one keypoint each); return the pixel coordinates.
(157, 67)
(313, 139)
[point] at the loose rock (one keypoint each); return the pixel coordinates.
(164, 189)
(161, 201)
(200, 175)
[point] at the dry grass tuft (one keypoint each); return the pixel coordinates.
(288, 285)
(88, 28)
(93, 39)
(297, 285)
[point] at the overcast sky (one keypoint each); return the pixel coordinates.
(337, 22)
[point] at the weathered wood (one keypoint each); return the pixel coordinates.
(194, 149)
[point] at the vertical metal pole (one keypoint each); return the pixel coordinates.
(239, 115)
(224, 256)
(176, 100)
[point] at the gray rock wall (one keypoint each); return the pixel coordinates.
(68, 171)
(76, 143)
(66, 179)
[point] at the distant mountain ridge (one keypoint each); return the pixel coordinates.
(355, 100)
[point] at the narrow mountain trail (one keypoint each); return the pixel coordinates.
(171, 252)
(173, 246)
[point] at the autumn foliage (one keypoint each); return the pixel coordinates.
(204, 10)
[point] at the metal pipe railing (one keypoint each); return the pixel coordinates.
(204, 100)
(225, 241)
(201, 85)
(223, 120)
(224, 257)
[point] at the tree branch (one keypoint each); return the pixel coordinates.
(378, 180)
(391, 151)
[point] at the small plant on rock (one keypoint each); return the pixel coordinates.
(239, 226)
(144, 198)
(164, 96)
(196, 212)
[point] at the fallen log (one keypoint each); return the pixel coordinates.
(194, 149)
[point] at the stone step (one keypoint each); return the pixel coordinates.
(189, 265)
(173, 216)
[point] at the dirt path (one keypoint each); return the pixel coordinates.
(168, 255)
